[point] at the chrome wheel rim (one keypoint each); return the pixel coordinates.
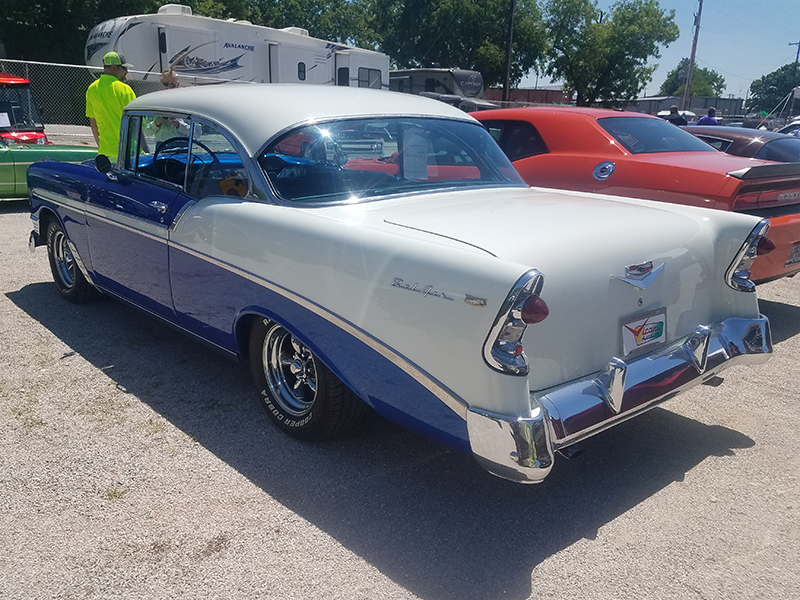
(290, 370)
(64, 261)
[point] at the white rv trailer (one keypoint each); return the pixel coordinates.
(206, 50)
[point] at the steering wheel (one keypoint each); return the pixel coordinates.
(172, 169)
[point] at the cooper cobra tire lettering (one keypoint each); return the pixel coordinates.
(300, 394)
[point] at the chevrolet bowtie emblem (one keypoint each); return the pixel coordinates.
(640, 276)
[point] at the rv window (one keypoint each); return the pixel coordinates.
(301, 71)
(369, 78)
(343, 76)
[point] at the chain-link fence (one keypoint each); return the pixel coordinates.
(60, 90)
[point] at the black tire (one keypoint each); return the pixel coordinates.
(67, 276)
(301, 395)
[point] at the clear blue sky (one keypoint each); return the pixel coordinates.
(741, 40)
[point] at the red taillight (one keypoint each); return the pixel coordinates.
(764, 246)
(24, 137)
(534, 310)
(746, 201)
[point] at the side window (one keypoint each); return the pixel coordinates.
(716, 142)
(215, 167)
(301, 71)
(343, 76)
(369, 78)
(495, 131)
(132, 143)
(159, 147)
(518, 139)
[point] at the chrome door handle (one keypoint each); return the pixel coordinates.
(159, 206)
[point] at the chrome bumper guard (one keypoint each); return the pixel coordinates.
(523, 449)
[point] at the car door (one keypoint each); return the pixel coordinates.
(8, 178)
(129, 216)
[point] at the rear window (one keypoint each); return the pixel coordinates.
(641, 135)
(787, 150)
(518, 139)
(357, 159)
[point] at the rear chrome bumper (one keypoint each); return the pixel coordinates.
(523, 448)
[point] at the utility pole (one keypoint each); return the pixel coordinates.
(794, 75)
(507, 81)
(687, 89)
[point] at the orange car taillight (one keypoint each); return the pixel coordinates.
(523, 306)
(756, 244)
(746, 201)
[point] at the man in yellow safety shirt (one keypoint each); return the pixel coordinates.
(105, 99)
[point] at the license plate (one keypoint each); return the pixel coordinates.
(644, 330)
(794, 255)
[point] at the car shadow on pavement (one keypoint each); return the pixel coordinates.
(427, 517)
(784, 319)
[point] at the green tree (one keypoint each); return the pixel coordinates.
(603, 57)
(768, 92)
(466, 34)
(344, 21)
(705, 82)
(56, 30)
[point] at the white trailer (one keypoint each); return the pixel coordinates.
(206, 50)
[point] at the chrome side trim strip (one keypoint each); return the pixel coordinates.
(149, 229)
(450, 399)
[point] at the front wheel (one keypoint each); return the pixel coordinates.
(67, 276)
(301, 395)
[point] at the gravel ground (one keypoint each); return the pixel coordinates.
(135, 463)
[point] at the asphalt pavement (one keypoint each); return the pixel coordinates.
(135, 463)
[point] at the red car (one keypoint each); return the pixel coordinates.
(641, 156)
(20, 121)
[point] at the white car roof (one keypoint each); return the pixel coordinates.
(254, 113)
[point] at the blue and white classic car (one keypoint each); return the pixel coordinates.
(361, 248)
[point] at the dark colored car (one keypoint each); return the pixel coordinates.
(750, 143)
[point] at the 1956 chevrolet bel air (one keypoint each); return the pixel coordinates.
(360, 248)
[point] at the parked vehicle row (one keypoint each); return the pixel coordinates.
(641, 156)
(379, 250)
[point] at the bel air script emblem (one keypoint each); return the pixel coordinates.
(425, 291)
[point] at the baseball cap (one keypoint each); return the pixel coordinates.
(114, 58)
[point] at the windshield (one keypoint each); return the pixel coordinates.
(363, 158)
(641, 135)
(18, 110)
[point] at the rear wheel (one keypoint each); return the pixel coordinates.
(301, 395)
(67, 276)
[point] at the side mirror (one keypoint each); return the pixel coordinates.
(102, 163)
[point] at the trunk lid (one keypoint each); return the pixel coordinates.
(583, 244)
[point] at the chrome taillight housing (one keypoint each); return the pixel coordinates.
(523, 306)
(757, 244)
